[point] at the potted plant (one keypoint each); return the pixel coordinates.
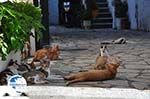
(16, 22)
(86, 19)
(121, 9)
(89, 12)
(94, 8)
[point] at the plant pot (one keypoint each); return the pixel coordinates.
(86, 24)
(94, 13)
(12, 55)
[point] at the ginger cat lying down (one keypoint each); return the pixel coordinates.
(112, 63)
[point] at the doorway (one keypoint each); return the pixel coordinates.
(73, 15)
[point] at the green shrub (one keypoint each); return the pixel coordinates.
(16, 22)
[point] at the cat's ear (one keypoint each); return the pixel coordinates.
(57, 46)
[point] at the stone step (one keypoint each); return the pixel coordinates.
(101, 0)
(103, 4)
(103, 9)
(101, 25)
(102, 20)
(104, 14)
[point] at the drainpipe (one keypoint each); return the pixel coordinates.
(132, 13)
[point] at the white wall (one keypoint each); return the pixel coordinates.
(132, 13)
(53, 12)
(143, 14)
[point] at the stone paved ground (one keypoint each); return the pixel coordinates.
(79, 49)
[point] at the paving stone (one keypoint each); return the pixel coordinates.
(102, 85)
(144, 77)
(56, 84)
(76, 85)
(132, 60)
(126, 75)
(80, 48)
(55, 77)
(131, 57)
(141, 80)
(128, 71)
(84, 61)
(146, 71)
(147, 60)
(145, 55)
(69, 69)
(90, 84)
(136, 52)
(137, 66)
(140, 85)
(146, 74)
(56, 71)
(117, 82)
(87, 83)
(137, 63)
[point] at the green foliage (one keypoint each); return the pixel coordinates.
(86, 14)
(16, 22)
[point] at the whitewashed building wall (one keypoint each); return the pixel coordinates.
(139, 14)
(143, 13)
(132, 14)
(53, 12)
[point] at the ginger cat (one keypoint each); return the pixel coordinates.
(44, 55)
(54, 53)
(101, 59)
(93, 75)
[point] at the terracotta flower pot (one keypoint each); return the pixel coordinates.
(86, 24)
(94, 13)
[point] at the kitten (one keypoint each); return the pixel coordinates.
(4, 75)
(36, 76)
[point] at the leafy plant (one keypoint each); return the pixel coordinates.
(16, 22)
(87, 14)
(3, 46)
